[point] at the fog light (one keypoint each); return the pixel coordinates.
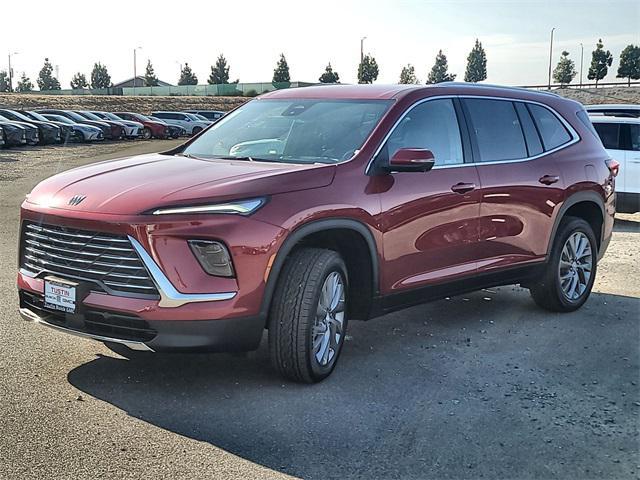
(213, 257)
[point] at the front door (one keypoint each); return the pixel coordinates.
(429, 220)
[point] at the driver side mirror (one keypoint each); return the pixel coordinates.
(411, 160)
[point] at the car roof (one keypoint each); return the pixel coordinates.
(388, 92)
(613, 106)
(612, 119)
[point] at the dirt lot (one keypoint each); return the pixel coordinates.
(149, 104)
(480, 386)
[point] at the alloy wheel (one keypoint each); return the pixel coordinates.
(328, 328)
(576, 265)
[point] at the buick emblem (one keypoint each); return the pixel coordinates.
(76, 200)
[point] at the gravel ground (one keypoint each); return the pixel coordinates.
(479, 386)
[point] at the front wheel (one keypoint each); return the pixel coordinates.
(571, 270)
(307, 319)
(195, 131)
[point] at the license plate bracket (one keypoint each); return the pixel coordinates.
(61, 295)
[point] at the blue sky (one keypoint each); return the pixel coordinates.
(252, 34)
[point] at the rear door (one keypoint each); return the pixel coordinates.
(521, 183)
(430, 220)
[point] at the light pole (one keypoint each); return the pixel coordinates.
(550, 56)
(11, 71)
(581, 59)
(362, 48)
(135, 68)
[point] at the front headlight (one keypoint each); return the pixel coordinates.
(241, 207)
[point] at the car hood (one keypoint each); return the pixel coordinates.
(138, 184)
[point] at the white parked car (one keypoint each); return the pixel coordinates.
(615, 110)
(188, 121)
(621, 137)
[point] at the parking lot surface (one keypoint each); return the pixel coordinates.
(484, 385)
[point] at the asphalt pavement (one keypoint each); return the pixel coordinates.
(484, 385)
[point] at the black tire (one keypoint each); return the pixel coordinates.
(126, 352)
(195, 131)
(146, 133)
(547, 292)
(294, 314)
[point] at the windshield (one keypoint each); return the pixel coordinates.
(36, 116)
(90, 116)
(295, 131)
(75, 116)
(15, 116)
(110, 116)
(59, 118)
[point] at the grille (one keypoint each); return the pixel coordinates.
(106, 260)
(107, 324)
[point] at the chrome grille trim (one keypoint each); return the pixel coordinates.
(108, 261)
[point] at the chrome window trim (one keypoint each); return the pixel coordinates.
(169, 296)
(575, 137)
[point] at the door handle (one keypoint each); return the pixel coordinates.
(549, 179)
(463, 187)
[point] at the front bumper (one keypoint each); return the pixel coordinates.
(194, 310)
(233, 335)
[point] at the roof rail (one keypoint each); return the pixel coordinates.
(493, 85)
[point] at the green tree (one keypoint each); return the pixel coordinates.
(629, 67)
(408, 75)
(187, 77)
(329, 76)
(4, 81)
(46, 80)
(150, 79)
(476, 64)
(100, 77)
(219, 72)
(565, 71)
(368, 70)
(24, 84)
(79, 81)
(601, 60)
(281, 72)
(439, 71)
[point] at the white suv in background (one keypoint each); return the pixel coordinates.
(621, 138)
(188, 121)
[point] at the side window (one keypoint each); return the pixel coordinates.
(551, 129)
(432, 125)
(497, 129)
(609, 133)
(534, 145)
(634, 131)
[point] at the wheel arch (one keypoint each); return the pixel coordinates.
(330, 233)
(587, 205)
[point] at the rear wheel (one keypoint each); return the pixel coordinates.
(307, 320)
(146, 133)
(567, 281)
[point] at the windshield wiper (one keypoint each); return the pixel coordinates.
(246, 159)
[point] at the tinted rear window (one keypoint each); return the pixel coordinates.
(551, 129)
(497, 129)
(609, 133)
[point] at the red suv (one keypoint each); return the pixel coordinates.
(306, 208)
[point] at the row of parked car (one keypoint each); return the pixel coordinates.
(50, 126)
